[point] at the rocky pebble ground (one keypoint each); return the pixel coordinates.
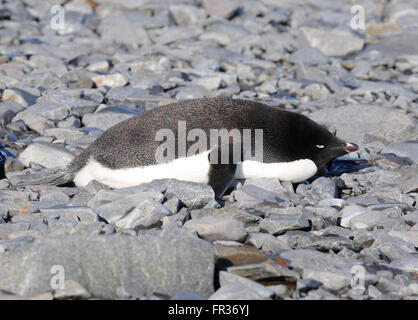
(349, 233)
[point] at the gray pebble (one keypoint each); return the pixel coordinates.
(226, 278)
(193, 195)
(217, 228)
(71, 290)
(107, 117)
(332, 42)
(280, 223)
(146, 214)
(409, 180)
(398, 126)
(266, 242)
(235, 291)
(47, 154)
(8, 110)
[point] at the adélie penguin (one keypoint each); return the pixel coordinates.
(211, 141)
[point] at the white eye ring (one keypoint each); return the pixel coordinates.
(320, 146)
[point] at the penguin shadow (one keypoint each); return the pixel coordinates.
(341, 165)
(3, 156)
(334, 168)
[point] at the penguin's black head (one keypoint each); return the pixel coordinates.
(312, 141)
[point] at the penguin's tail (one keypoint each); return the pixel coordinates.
(57, 177)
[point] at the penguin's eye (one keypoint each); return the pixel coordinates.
(320, 146)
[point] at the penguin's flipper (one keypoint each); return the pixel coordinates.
(221, 172)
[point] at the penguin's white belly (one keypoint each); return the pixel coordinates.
(295, 171)
(194, 169)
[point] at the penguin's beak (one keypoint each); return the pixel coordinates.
(351, 147)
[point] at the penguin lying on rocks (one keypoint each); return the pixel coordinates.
(211, 141)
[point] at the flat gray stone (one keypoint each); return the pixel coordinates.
(274, 185)
(280, 223)
(320, 189)
(41, 115)
(404, 149)
(224, 9)
(321, 294)
(110, 80)
(193, 195)
(10, 296)
(410, 236)
(187, 14)
(79, 213)
(49, 110)
(134, 96)
(114, 210)
(217, 228)
(125, 293)
(192, 92)
(265, 270)
(174, 205)
(410, 290)
(393, 248)
(226, 278)
(146, 214)
(235, 291)
(123, 28)
(388, 284)
(54, 193)
(349, 212)
(46, 154)
(252, 194)
(308, 55)
(107, 117)
(7, 228)
(187, 295)
(395, 90)
(280, 290)
(101, 263)
(380, 219)
(266, 242)
(178, 33)
(9, 245)
(406, 264)
(375, 123)
(409, 179)
(332, 271)
(225, 32)
(74, 104)
(395, 45)
(332, 42)
(45, 63)
(305, 285)
(71, 290)
(8, 110)
(71, 134)
(105, 195)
